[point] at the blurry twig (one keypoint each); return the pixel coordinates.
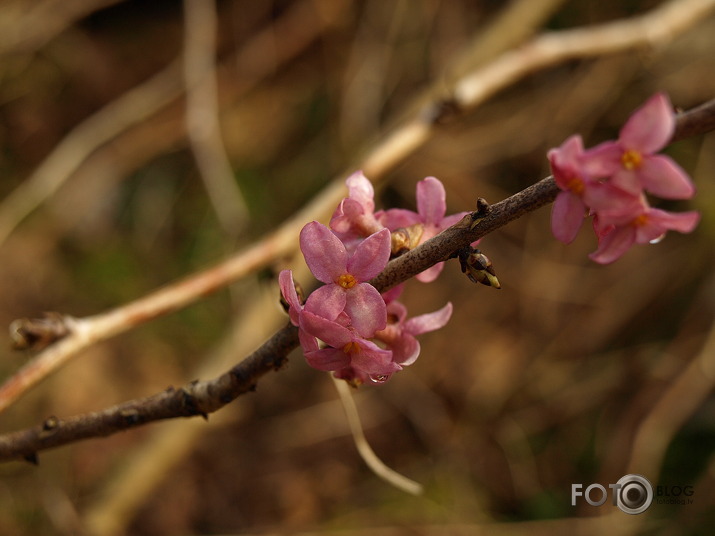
(131, 108)
(656, 26)
(202, 123)
(375, 464)
(679, 401)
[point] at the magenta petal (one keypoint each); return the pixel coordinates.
(327, 331)
(567, 215)
(327, 359)
(429, 322)
(614, 244)
(650, 127)
(662, 177)
(285, 281)
(324, 253)
(431, 200)
(327, 301)
(366, 309)
(371, 256)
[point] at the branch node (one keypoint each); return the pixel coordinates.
(483, 210)
(49, 427)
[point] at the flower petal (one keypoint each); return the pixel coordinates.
(603, 160)
(370, 257)
(650, 127)
(287, 286)
(429, 322)
(662, 177)
(431, 200)
(394, 218)
(614, 244)
(327, 331)
(361, 190)
(567, 215)
(327, 301)
(431, 273)
(327, 359)
(366, 309)
(324, 253)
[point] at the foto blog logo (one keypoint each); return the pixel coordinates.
(633, 494)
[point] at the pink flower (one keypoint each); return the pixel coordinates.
(431, 210)
(399, 335)
(346, 348)
(631, 163)
(569, 208)
(633, 221)
(345, 276)
(354, 218)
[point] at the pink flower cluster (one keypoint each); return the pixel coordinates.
(346, 326)
(610, 182)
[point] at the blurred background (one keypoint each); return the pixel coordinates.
(571, 373)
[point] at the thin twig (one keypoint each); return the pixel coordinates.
(202, 115)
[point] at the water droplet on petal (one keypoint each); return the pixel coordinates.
(657, 239)
(379, 378)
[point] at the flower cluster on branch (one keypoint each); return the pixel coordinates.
(347, 326)
(610, 182)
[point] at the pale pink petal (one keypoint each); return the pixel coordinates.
(287, 286)
(431, 273)
(650, 127)
(324, 253)
(345, 216)
(327, 359)
(360, 189)
(395, 218)
(661, 176)
(683, 222)
(614, 244)
(373, 360)
(627, 180)
(327, 331)
(567, 215)
(431, 200)
(406, 351)
(394, 293)
(370, 257)
(327, 301)
(366, 309)
(429, 322)
(307, 342)
(602, 160)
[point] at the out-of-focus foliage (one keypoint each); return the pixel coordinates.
(527, 390)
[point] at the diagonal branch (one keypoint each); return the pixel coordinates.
(204, 397)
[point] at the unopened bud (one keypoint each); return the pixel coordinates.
(404, 239)
(478, 267)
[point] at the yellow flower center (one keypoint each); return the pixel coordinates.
(631, 159)
(347, 281)
(640, 221)
(575, 184)
(351, 348)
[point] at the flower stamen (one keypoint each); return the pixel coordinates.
(631, 159)
(347, 281)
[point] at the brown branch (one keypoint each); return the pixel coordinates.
(204, 397)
